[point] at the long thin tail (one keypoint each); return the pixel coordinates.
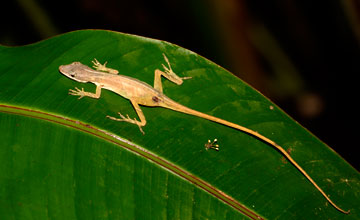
(180, 108)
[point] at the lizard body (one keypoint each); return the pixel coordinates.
(141, 93)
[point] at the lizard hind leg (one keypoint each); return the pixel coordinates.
(139, 112)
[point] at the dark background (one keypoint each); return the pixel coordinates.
(303, 55)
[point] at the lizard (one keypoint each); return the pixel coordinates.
(141, 93)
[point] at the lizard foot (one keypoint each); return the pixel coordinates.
(127, 119)
(102, 67)
(81, 93)
(170, 73)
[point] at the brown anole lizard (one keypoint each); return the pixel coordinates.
(141, 93)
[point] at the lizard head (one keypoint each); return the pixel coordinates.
(75, 71)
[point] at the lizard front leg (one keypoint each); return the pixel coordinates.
(139, 112)
(167, 73)
(81, 93)
(102, 67)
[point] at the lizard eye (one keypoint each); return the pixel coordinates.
(72, 74)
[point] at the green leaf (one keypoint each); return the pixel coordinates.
(61, 158)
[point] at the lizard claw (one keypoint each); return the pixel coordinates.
(186, 77)
(123, 118)
(141, 130)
